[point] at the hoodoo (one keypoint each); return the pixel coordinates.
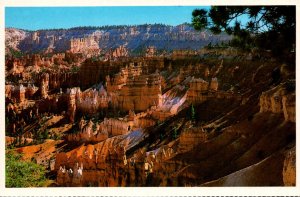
(152, 105)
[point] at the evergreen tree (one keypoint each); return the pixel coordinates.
(193, 113)
(265, 27)
(175, 132)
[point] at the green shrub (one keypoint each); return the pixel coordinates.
(15, 53)
(175, 133)
(74, 69)
(20, 173)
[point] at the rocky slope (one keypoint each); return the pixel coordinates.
(13, 37)
(134, 38)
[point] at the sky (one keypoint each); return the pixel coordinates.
(34, 18)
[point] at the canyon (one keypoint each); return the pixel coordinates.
(121, 106)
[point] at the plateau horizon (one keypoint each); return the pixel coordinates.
(87, 27)
(34, 18)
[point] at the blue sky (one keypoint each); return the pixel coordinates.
(33, 18)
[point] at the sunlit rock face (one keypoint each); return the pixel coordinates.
(31, 90)
(140, 93)
(72, 104)
(121, 78)
(92, 100)
(119, 52)
(173, 101)
(106, 164)
(289, 168)
(102, 164)
(99, 131)
(89, 101)
(44, 86)
(197, 90)
(18, 66)
(279, 100)
(8, 91)
(87, 45)
(150, 52)
(17, 93)
(214, 84)
(88, 132)
(289, 104)
(13, 37)
(130, 90)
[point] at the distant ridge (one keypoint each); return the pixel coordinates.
(133, 37)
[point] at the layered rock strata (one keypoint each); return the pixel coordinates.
(279, 100)
(140, 93)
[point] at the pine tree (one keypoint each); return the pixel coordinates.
(193, 113)
(266, 27)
